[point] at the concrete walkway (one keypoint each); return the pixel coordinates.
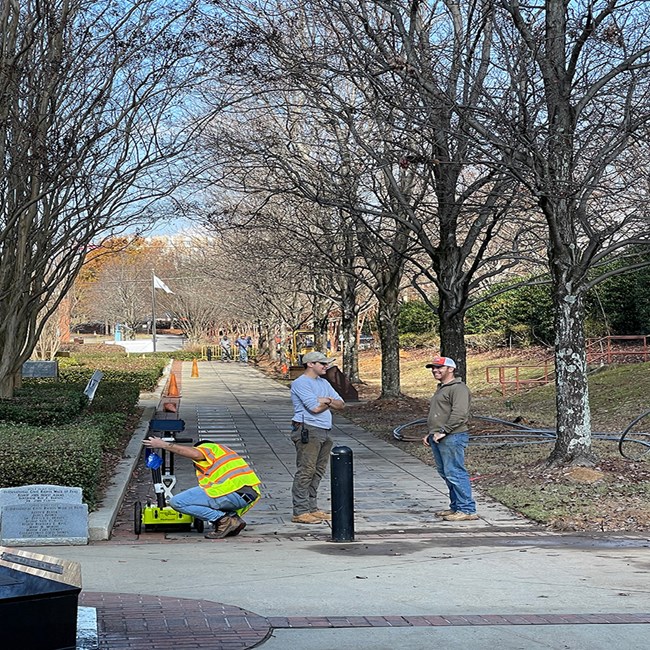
(408, 579)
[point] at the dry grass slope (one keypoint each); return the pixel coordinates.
(612, 496)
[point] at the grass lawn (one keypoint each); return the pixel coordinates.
(614, 495)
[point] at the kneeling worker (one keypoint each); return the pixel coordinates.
(227, 488)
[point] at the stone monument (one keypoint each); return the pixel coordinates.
(42, 515)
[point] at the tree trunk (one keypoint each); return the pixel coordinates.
(263, 340)
(452, 336)
(349, 332)
(8, 384)
(573, 443)
(389, 337)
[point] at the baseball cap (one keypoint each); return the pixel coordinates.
(315, 357)
(438, 362)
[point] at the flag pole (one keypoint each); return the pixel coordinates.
(153, 309)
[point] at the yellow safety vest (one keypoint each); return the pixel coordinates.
(224, 471)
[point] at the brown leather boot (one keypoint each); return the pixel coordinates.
(223, 527)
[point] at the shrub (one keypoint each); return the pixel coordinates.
(145, 372)
(116, 397)
(68, 455)
(485, 341)
(189, 354)
(415, 317)
(529, 307)
(428, 340)
(49, 436)
(43, 403)
(111, 427)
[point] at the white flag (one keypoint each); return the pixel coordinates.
(159, 284)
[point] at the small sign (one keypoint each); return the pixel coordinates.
(40, 369)
(93, 383)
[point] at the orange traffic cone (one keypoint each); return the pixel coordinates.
(195, 368)
(169, 407)
(172, 387)
(284, 369)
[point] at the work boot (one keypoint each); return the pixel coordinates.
(461, 516)
(223, 527)
(321, 514)
(444, 513)
(241, 524)
(306, 518)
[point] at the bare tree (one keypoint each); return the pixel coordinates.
(575, 129)
(90, 120)
(275, 168)
(387, 85)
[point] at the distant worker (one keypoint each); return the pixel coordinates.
(448, 438)
(313, 397)
(224, 344)
(227, 488)
(243, 344)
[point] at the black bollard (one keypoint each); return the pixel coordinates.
(342, 495)
(208, 354)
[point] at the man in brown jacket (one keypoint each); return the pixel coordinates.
(448, 437)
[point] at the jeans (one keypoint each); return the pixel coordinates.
(243, 355)
(311, 463)
(449, 455)
(197, 503)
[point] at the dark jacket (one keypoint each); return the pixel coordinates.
(449, 410)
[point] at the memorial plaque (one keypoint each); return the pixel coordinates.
(47, 523)
(43, 515)
(14, 496)
(38, 601)
(40, 369)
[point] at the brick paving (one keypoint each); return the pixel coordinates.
(137, 622)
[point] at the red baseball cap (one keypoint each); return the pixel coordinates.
(439, 362)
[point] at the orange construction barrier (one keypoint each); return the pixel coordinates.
(172, 387)
(195, 368)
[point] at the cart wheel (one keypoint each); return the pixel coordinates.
(137, 517)
(199, 525)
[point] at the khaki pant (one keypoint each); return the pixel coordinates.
(311, 463)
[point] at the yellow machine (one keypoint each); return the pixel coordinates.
(302, 342)
(162, 472)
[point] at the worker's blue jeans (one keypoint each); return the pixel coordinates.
(197, 503)
(449, 455)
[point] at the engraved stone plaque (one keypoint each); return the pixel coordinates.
(36, 515)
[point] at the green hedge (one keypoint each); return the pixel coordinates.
(144, 371)
(42, 403)
(48, 436)
(69, 455)
(110, 426)
(116, 397)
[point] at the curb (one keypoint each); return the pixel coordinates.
(100, 522)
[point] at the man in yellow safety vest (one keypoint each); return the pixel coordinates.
(227, 488)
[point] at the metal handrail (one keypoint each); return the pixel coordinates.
(518, 381)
